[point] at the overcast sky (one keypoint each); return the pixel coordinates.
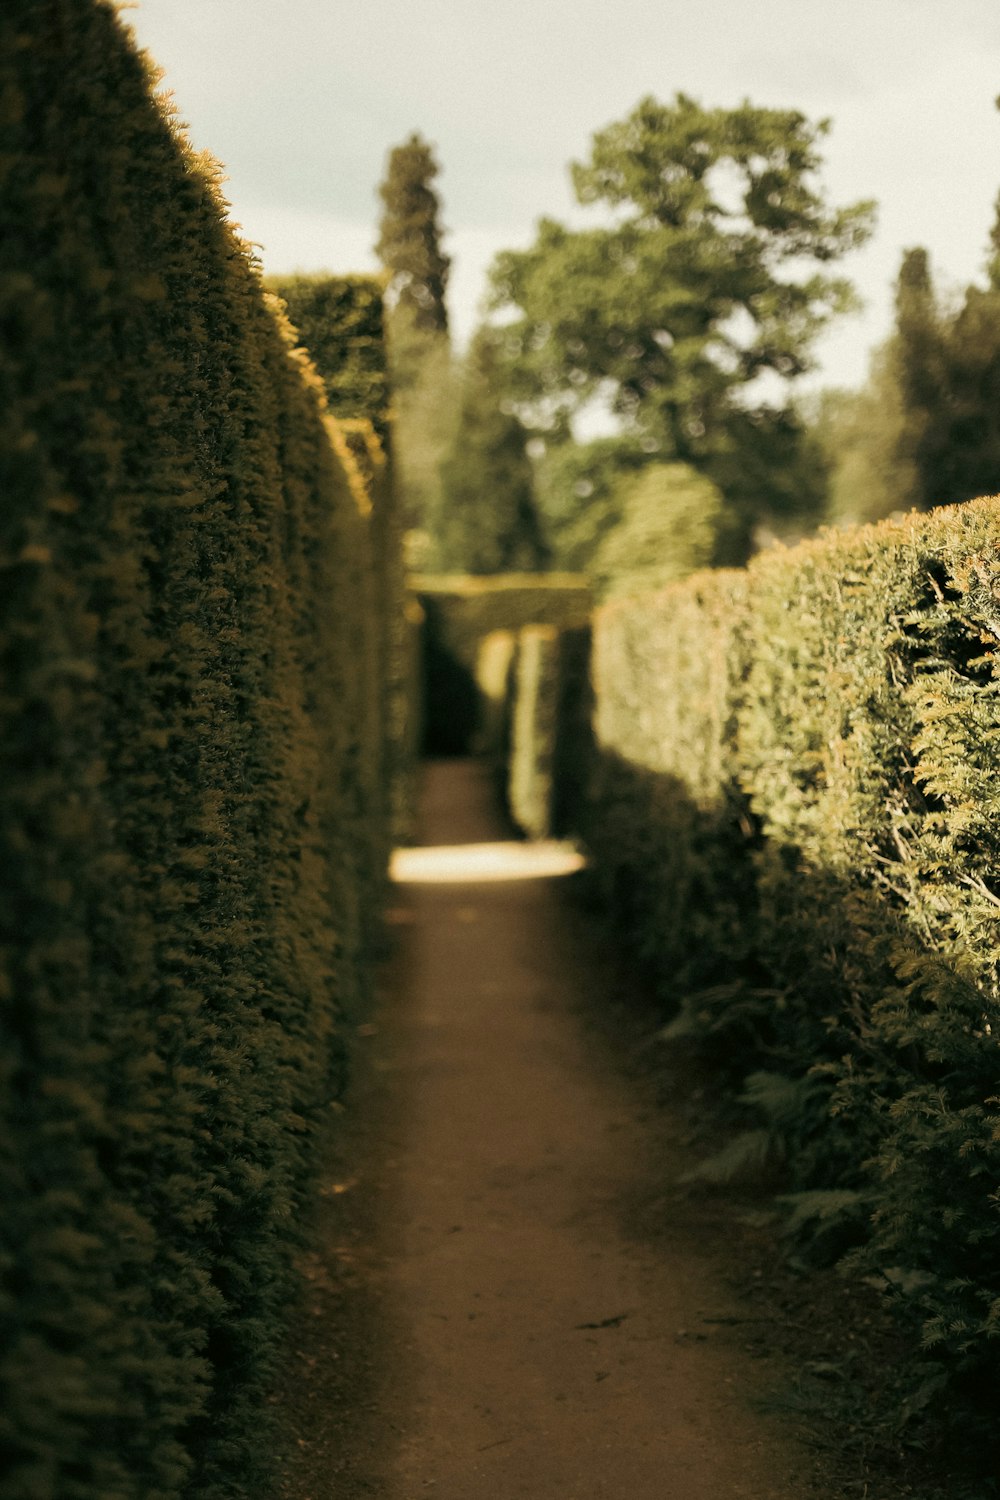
(302, 100)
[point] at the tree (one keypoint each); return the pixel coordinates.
(875, 440)
(579, 493)
(409, 244)
(423, 395)
(860, 435)
(686, 296)
(963, 457)
(925, 429)
(419, 350)
(670, 520)
(488, 520)
(918, 360)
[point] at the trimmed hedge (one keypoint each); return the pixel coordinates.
(533, 729)
(794, 808)
(341, 324)
(341, 321)
(460, 612)
(546, 742)
(190, 843)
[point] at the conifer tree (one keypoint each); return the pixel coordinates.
(409, 247)
(409, 244)
(918, 360)
(925, 429)
(878, 439)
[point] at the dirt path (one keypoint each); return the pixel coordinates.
(531, 1307)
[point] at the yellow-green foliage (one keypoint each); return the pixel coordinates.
(546, 739)
(533, 730)
(188, 854)
(494, 682)
(340, 323)
(670, 523)
(664, 813)
(797, 809)
(473, 606)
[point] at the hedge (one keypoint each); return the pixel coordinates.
(794, 810)
(190, 846)
(545, 741)
(460, 612)
(340, 323)
(340, 320)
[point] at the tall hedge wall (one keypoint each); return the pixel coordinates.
(339, 321)
(188, 849)
(795, 810)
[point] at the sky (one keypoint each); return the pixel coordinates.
(302, 100)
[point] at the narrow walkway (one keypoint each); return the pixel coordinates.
(542, 1313)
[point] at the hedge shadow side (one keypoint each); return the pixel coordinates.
(189, 851)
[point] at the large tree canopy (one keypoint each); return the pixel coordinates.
(700, 281)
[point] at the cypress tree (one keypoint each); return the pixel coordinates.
(416, 269)
(919, 364)
(409, 244)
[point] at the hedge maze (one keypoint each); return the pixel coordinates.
(786, 777)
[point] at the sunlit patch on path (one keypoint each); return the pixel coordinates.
(458, 863)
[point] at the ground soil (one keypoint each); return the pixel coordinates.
(513, 1295)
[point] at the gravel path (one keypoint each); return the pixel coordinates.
(523, 1303)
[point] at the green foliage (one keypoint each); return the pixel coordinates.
(423, 399)
(795, 811)
(774, 476)
(496, 659)
(190, 836)
(961, 456)
(409, 248)
(671, 517)
(667, 821)
(339, 320)
(487, 520)
(472, 607)
(683, 298)
(543, 745)
(578, 490)
(409, 244)
(861, 435)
